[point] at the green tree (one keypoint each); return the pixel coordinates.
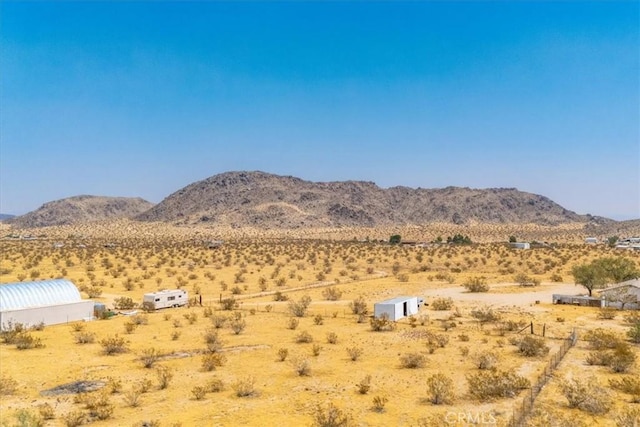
(591, 276)
(512, 239)
(618, 269)
(395, 239)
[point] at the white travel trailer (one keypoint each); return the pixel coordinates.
(397, 308)
(167, 298)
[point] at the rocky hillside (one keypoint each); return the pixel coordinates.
(265, 200)
(78, 209)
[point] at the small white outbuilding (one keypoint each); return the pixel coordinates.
(47, 301)
(396, 308)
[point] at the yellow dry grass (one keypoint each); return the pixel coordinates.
(131, 259)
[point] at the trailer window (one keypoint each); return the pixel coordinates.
(157, 299)
(171, 298)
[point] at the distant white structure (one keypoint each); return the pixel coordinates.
(623, 295)
(47, 301)
(167, 298)
(397, 308)
(521, 245)
(591, 240)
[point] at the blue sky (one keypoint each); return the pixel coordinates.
(143, 98)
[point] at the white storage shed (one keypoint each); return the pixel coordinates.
(47, 301)
(396, 308)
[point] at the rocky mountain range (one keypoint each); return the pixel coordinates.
(259, 199)
(80, 209)
(265, 200)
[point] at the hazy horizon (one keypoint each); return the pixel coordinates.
(139, 99)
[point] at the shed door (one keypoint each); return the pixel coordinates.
(405, 308)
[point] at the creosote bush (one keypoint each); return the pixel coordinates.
(382, 323)
(359, 306)
(245, 387)
(442, 304)
(332, 293)
(441, 390)
(493, 384)
(299, 308)
(531, 346)
(282, 354)
(378, 403)
(330, 416)
(304, 337)
(332, 338)
(149, 357)
(165, 375)
(364, 385)
(8, 386)
(587, 395)
(211, 361)
(114, 345)
(476, 284)
(412, 360)
(354, 353)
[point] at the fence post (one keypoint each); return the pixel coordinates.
(531, 328)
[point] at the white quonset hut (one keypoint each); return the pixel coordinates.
(396, 308)
(47, 301)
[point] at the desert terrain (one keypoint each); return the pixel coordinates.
(280, 328)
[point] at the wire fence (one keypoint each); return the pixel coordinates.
(523, 409)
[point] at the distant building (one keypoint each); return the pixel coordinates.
(47, 301)
(397, 308)
(591, 240)
(521, 245)
(623, 295)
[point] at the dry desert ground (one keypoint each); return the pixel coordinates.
(284, 334)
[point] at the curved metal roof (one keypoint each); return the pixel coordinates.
(15, 296)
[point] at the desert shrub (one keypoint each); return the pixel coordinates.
(463, 337)
(600, 339)
(46, 411)
(84, 337)
(245, 387)
(175, 335)
(283, 353)
(464, 351)
(130, 327)
(114, 385)
(132, 397)
(332, 338)
(634, 333)
(440, 388)
(318, 319)
(301, 366)
(359, 306)
(629, 385)
(238, 325)
(212, 340)
(316, 349)
(199, 392)
(299, 308)
(74, 419)
(633, 318)
(218, 321)
(99, 406)
(292, 323)
(228, 304)
(279, 296)
(485, 314)
(149, 357)
(476, 284)
(485, 360)
(629, 417)
(364, 385)
(164, 375)
(330, 416)
(26, 418)
(412, 360)
(442, 304)
(124, 303)
(531, 346)
(304, 337)
(114, 345)
(622, 358)
(332, 293)
(607, 313)
(382, 323)
(491, 384)
(354, 353)
(586, 395)
(191, 317)
(215, 385)
(26, 341)
(147, 306)
(378, 403)
(212, 360)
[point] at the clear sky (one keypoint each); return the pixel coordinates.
(143, 98)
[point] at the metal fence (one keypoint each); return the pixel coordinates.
(522, 410)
